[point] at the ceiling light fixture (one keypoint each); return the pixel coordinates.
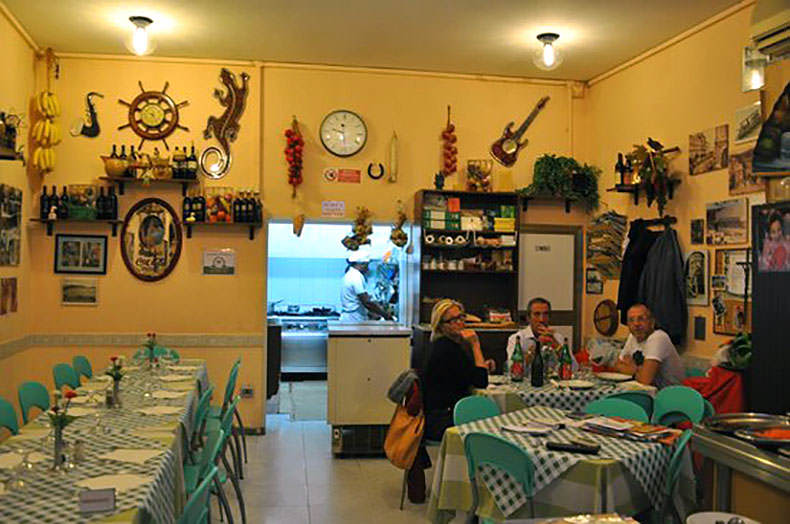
(141, 43)
(548, 57)
(752, 69)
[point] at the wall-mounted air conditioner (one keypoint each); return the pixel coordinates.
(771, 27)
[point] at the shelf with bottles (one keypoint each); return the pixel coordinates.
(630, 181)
(78, 203)
(223, 207)
(147, 169)
(492, 262)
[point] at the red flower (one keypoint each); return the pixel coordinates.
(55, 408)
(156, 359)
(70, 394)
(113, 359)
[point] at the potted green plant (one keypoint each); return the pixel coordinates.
(564, 177)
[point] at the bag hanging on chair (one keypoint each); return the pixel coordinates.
(403, 437)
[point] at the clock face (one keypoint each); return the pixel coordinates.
(343, 133)
(152, 115)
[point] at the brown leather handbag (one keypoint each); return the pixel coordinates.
(403, 437)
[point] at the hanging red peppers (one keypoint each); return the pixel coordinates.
(293, 155)
(449, 149)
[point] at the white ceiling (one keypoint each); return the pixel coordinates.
(493, 37)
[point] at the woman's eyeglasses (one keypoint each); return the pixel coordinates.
(455, 318)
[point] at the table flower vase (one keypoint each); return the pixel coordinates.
(59, 447)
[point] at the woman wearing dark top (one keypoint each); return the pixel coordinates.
(454, 367)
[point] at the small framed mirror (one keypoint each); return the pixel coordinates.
(151, 239)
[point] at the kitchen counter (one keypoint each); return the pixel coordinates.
(368, 329)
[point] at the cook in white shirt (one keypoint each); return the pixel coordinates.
(538, 311)
(649, 354)
(354, 299)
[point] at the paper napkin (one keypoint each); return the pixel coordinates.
(174, 378)
(160, 410)
(164, 394)
(120, 482)
(136, 456)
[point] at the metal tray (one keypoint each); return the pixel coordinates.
(730, 422)
(750, 435)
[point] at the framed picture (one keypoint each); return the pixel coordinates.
(698, 231)
(10, 225)
(709, 150)
(696, 271)
(219, 262)
(718, 282)
(742, 179)
(771, 237)
(730, 314)
(747, 123)
(594, 281)
(726, 222)
(79, 292)
(81, 254)
(8, 295)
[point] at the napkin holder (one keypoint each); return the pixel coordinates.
(97, 500)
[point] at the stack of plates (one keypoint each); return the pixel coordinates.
(613, 377)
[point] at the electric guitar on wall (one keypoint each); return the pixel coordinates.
(505, 149)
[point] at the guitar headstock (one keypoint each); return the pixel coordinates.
(542, 102)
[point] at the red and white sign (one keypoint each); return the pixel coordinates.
(349, 176)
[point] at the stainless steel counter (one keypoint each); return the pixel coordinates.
(368, 329)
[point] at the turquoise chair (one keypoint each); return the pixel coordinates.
(174, 356)
(676, 404)
(641, 398)
(709, 409)
(32, 394)
(195, 474)
(672, 476)
(615, 407)
(8, 417)
(472, 408)
(217, 411)
(484, 448)
(199, 421)
(159, 352)
(82, 366)
(65, 376)
(225, 425)
(198, 509)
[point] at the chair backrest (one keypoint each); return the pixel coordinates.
(8, 417)
(210, 455)
(226, 422)
(32, 394)
(174, 356)
(484, 448)
(201, 411)
(230, 385)
(673, 471)
(709, 409)
(82, 366)
(197, 508)
(615, 407)
(678, 403)
(642, 398)
(65, 375)
(161, 351)
(474, 407)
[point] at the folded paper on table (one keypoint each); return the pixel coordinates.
(531, 429)
(637, 386)
(181, 386)
(174, 378)
(121, 483)
(29, 434)
(190, 369)
(164, 394)
(160, 410)
(610, 423)
(10, 460)
(36, 457)
(136, 456)
(80, 412)
(93, 386)
(86, 399)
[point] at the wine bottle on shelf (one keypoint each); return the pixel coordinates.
(176, 163)
(199, 207)
(114, 153)
(130, 171)
(43, 203)
(245, 207)
(258, 218)
(123, 153)
(619, 168)
(237, 213)
(192, 163)
(101, 205)
(63, 210)
(186, 207)
(112, 204)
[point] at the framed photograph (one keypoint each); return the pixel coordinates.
(10, 225)
(219, 262)
(698, 231)
(709, 150)
(594, 281)
(81, 254)
(696, 271)
(8, 295)
(726, 222)
(771, 232)
(79, 292)
(718, 282)
(742, 179)
(747, 123)
(730, 314)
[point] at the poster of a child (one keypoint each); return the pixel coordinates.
(774, 235)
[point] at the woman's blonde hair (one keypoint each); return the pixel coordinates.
(439, 309)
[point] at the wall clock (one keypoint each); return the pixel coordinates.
(605, 318)
(153, 115)
(343, 133)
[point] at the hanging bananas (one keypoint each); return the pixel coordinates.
(45, 132)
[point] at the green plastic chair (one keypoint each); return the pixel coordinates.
(615, 407)
(194, 474)
(65, 375)
(199, 422)
(676, 404)
(82, 366)
(672, 476)
(32, 394)
(642, 398)
(474, 407)
(217, 411)
(174, 356)
(484, 448)
(159, 352)
(709, 409)
(197, 509)
(225, 424)
(8, 417)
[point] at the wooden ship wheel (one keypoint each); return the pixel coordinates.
(153, 115)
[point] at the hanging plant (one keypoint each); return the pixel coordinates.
(398, 236)
(564, 177)
(360, 230)
(652, 168)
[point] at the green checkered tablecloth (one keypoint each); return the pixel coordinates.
(625, 477)
(52, 497)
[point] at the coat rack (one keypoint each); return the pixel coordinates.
(666, 221)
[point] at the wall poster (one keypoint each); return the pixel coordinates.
(10, 224)
(709, 150)
(729, 316)
(742, 179)
(696, 271)
(772, 237)
(726, 222)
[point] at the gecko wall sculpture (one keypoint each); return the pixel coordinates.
(225, 128)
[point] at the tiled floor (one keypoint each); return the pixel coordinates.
(292, 477)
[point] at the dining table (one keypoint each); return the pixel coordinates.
(512, 396)
(137, 448)
(625, 476)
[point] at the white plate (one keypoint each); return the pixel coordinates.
(497, 379)
(614, 377)
(576, 384)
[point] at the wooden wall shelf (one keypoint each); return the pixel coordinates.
(525, 200)
(122, 181)
(223, 226)
(635, 189)
(51, 223)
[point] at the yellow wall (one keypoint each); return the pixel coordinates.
(688, 87)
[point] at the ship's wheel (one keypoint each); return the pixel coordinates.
(153, 115)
